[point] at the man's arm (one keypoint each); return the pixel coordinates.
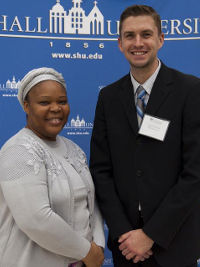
(183, 197)
(102, 173)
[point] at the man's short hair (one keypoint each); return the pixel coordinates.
(140, 10)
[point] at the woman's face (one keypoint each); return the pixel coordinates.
(47, 109)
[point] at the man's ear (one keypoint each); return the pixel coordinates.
(120, 44)
(161, 37)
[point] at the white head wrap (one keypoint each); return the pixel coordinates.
(35, 76)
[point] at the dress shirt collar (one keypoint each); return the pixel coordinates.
(148, 84)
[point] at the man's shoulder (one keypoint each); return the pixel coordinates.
(179, 76)
(115, 85)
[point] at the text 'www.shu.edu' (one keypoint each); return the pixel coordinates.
(77, 55)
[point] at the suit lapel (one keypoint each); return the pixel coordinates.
(159, 92)
(126, 95)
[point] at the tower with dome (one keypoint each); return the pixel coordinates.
(77, 122)
(76, 21)
(12, 84)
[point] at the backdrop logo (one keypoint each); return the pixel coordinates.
(108, 261)
(10, 88)
(59, 23)
(76, 22)
(78, 126)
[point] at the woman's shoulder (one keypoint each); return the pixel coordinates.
(13, 140)
(19, 157)
(24, 141)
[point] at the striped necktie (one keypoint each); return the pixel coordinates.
(140, 104)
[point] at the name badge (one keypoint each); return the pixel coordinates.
(154, 127)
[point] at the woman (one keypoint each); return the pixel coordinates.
(48, 217)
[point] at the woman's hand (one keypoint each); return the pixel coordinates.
(95, 256)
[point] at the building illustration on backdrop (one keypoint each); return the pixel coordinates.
(78, 123)
(77, 126)
(75, 21)
(10, 84)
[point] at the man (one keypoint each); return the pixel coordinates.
(145, 153)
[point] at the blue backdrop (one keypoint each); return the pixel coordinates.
(39, 33)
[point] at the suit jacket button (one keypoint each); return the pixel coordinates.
(139, 173)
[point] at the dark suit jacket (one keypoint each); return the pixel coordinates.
(164, 177)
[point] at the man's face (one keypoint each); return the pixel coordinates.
(140, 42)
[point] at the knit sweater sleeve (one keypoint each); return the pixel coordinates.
(98, 232)
(23, 180)
(78, 155)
